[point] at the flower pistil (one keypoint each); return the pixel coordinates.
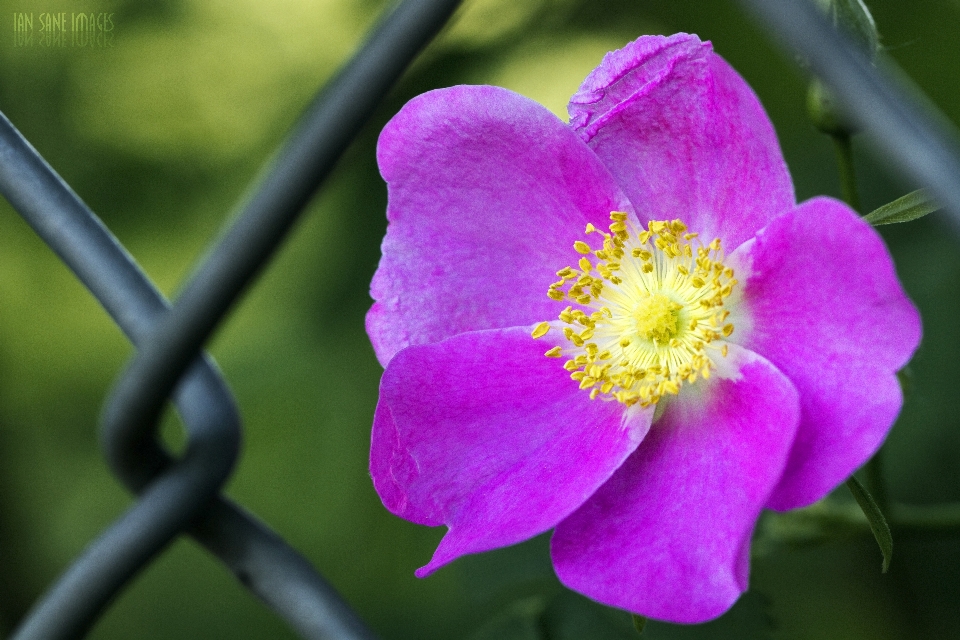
(647, 314)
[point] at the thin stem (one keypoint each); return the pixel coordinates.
(827, 521)
(842, 142)
(848, 181)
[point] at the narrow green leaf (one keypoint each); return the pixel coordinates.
(910, 207)
(878, 524)
(639, 622)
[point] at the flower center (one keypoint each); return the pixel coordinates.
(647, 314)
(657, 317)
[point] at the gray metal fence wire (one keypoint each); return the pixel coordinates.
(179, 496)
(175, 495)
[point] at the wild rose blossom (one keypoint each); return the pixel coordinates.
(729, 349)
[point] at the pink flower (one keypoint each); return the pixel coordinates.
(751, 366)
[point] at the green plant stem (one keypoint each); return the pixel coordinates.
(848, 181)
(827, 521)
(842, 142)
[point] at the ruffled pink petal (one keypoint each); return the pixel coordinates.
(668, 535)
(487, 193)
(483, 433)
(685, 137)
(827, 309)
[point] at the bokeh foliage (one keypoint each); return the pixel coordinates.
(161, 132)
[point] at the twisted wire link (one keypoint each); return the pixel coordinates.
(907, 131)
(64, 222)
(178, 495)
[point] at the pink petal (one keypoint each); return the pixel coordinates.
(483, 433)
(685, 137)
(828, 311)
(487, 193)
(668, 535)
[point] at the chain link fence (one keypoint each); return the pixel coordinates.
(180, 495)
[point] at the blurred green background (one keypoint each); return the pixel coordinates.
(160, 126)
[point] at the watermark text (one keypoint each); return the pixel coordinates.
(63, 29)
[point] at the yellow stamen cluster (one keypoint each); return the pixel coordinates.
(646, 311)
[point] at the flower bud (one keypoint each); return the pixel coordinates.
(853, 17)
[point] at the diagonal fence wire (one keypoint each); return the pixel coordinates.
(84, 244)
(175, 495)
(908, 131)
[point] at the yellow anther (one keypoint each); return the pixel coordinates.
(540, 330)
(554, 353)
(656, 305)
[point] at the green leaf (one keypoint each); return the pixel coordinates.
(639, 622)
(910, 207)
(878, 524)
